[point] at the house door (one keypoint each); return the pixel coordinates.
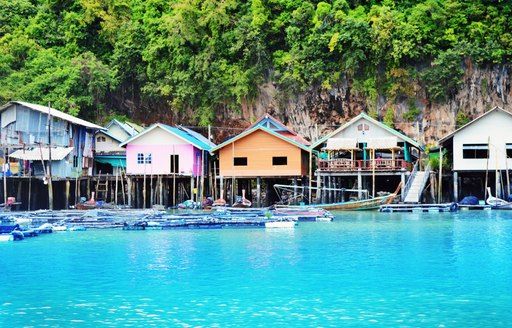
(175, 164)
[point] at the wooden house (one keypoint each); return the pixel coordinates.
(30, 140)
(162, 149)
(480, 154)
(268, 150)
(365, 153)
(110, 156)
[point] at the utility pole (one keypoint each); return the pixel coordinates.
(49, 178)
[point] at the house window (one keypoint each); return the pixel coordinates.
(143, 158)
(472, 151)
(175, 163)
(509, 150)
(240, 161)
(101, 139)
(280, 160)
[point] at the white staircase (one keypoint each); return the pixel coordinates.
(416, 187)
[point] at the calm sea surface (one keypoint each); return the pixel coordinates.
(364, 269)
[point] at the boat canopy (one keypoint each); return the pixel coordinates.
(382, 143)
(341, 144)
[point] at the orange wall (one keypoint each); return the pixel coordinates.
(259, 147)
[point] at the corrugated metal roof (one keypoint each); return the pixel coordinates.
(37, 154)
(341, 144)
(53, 112)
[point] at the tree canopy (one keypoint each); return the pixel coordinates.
(202, 55)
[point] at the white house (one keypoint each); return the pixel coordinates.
(481, 148)
(109, 156)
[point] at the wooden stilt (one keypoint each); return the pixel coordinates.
(258, 191)
(68, 184)
(29, 192)
(129, 191)
(152, 192)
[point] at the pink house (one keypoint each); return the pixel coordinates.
(165, 150)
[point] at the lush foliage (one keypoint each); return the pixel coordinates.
(207, 54)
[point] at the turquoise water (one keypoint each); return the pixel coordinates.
(364, 269)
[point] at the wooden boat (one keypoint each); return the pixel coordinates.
(87, 205)
(242, 202)
(358, 205)
(280, 224)
(495, 201)
(353, 205)
(220, 201)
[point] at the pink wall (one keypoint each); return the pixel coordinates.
(189, 159)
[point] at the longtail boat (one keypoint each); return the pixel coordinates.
(370, 203)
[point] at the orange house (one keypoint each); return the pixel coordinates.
(266, 149)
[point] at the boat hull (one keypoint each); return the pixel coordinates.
(358, 205)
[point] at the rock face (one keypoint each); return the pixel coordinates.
(316, 112)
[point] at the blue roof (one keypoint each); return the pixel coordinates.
(191, 136)
(185, 134)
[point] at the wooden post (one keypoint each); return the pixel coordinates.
(319, 188)
(174, 189)
(192, 188)
(359, 183)
(29, 191)
(49, 181)
(144, 191)
(116, 188)
(310, 173)
(161, 189)
(372, 154)
(88, 187)
(68, 185)
(402, 185)
(455, 186)
(221, 186)
(129, 193)
(295, 190)
(439, 193)
(258, 191)
(151, 193)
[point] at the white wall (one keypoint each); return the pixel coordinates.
(374, 131)
(495, 128)
(108, 145)
(158, 136)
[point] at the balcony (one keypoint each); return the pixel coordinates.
(345, 164)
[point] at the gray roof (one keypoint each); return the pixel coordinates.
(53, 112)
(37, 154)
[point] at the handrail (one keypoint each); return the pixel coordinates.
(411, 177)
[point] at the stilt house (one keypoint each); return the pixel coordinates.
(109, 155)
(266, 150)
(364, 154)
(31, 135)
(162, 149)
(480, 154)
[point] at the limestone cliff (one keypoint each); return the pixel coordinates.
(317, 112)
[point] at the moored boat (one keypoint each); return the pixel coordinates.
(280, 224)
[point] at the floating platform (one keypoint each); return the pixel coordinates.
(445, 207)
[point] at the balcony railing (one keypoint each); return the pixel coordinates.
(343, 164)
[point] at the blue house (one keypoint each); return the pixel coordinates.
(30, 140)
